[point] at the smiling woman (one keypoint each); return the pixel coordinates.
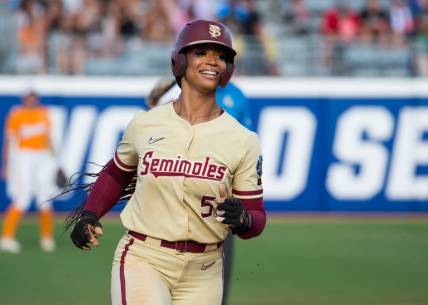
(197, 179)
(202, 59)
(206, 64)
(203, 34)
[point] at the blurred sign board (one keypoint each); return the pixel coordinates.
(328, 145)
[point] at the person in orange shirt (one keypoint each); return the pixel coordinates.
(28, 168)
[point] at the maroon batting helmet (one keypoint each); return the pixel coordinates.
(202, 32)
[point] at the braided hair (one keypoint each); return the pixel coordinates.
(75, 184)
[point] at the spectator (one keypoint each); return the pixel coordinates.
(58, 27)
(340, 27)
(341, 23)
(375, 23)
(243, 18)
(200, 9)
(155, 23)
(177, 14)
(230, 13)
(128, 19)
(114, 26)
(60, 36)
(110, 24)
(85, 22)
(416, 6)
(421, 40)
(401, 19)
(181, 11)
(31, 37)
(297, 16)
(255, 26)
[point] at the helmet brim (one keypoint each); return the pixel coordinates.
(199, 42)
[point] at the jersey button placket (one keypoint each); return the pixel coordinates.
(189, 139)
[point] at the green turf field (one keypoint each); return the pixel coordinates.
(302, 261)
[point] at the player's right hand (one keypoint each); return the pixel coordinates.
(86, 231)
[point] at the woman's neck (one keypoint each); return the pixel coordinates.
(196, 107)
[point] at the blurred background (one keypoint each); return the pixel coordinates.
(338, 94)
(305, 38)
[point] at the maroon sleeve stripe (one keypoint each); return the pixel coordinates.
(128, 167)
(247, 193)
(253, 204)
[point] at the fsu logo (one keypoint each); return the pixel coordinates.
(215, 30)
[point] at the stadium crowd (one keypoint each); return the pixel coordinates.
(275, 37)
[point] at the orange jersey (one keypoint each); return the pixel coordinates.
(30, 127)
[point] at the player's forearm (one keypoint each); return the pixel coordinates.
(255, 207)
(108, 189)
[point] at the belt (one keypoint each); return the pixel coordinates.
(180, 246)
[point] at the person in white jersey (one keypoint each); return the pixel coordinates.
(198, 177)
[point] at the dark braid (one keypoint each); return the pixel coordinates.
(74, 184)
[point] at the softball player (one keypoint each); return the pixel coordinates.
(231, 99)
(29, 168)
(198, 177)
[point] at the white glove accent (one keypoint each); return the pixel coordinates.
(220, 212)
(219, 219)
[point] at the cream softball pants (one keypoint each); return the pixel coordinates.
(144, 273)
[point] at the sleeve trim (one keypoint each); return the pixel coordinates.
(247, 193)
(122, 165)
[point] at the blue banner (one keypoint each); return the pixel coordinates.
(320, 154)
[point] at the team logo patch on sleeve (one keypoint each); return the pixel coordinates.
(259, 169)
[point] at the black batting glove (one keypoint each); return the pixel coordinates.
(86, 231)
(232, 212)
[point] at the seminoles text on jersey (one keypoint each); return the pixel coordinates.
(181, 167)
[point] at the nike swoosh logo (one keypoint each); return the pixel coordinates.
(154, 140)
(205, 267)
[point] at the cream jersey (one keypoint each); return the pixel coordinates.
(179, 170)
